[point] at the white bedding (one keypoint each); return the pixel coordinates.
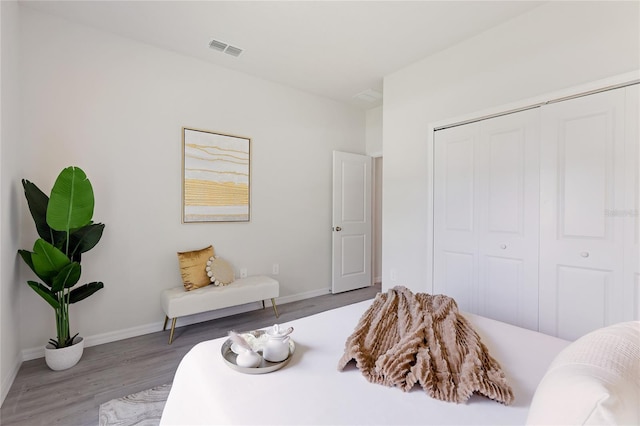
(310, 390)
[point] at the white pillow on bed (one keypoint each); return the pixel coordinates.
(593, 381)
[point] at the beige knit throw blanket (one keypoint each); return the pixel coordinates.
(405, 338)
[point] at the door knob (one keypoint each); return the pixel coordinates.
(584, 254)
(503, 246)
(338, 229)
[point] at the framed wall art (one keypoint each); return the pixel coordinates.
(216, 177)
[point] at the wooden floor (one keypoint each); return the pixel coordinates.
(40, 396)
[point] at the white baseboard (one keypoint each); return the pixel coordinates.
(7, 381)
(303, 296)
(32, 353)
(112, 336)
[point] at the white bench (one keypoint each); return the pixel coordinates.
(177, 302)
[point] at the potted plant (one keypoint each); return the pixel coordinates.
(64, 224)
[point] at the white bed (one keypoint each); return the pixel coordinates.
(310, 389)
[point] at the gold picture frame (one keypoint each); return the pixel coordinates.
(216, 177)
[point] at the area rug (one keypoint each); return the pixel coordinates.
(140, 409)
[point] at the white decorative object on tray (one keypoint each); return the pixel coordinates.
(248, 359)
(257, 339)
(246, 356)
(277, 347)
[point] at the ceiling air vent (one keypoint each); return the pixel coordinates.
(221, 46)
(233, 51)
(369, 95)
(218, 45)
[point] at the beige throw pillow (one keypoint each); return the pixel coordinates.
(220, 271)
(192, 267)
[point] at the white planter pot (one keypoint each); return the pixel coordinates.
(64, 358)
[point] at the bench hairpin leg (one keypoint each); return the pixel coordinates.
(173, 327)
(262, 303)
(273, 302)
(166, 319)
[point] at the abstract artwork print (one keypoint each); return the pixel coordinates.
(216, 177)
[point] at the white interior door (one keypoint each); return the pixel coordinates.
(352, 176)
(581, 232)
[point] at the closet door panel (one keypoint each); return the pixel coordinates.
(508, 203)
(455, 229)
(503, 282)
(459, 187)
(582, 173)
(505, 179)
(458, 277)
(589, 287)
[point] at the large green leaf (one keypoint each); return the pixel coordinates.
(71, 202)
(45, 293)
(26, 256)
(85, 238)
(67, 277)
(84, 291)
(47, 260)
(38, 202)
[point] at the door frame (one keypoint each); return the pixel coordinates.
(376, 214)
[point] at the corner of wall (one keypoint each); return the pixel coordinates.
(373, 132)
(10, 359)
(7, 379)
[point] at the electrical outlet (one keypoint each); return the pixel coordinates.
(243, 272)
(393, 275)
(275, 269)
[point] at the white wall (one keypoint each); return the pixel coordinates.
(115, 108)
(373, 132)
(553, 47)
(9, 194)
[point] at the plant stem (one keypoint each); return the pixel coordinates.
(64, 307)
(62, 319)
(66, 251)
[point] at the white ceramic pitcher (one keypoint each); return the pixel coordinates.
(276, 348)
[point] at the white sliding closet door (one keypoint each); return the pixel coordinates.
(586, 162)
(486, 196)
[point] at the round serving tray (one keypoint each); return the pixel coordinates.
(265, 366)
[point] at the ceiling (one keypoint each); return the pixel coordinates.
(336, 49)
